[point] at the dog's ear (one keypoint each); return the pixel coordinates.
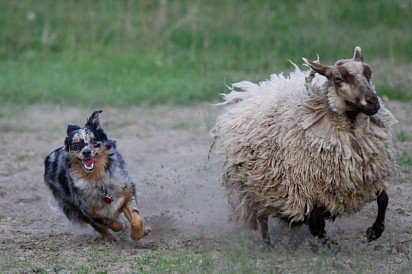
(71, 128)
(94, 121)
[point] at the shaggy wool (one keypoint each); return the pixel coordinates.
(286, 150)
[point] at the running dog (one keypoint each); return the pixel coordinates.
(90, 181)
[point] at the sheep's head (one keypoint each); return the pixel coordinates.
(351, 89)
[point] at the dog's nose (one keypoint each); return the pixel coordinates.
(87, 152)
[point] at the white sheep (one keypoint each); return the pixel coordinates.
(306, 147)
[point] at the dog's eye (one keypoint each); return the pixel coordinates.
(95, 143)
(75, 146)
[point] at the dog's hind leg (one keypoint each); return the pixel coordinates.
(104, 232)
(76, 215)
(115, 225)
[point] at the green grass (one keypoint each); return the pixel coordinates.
(404, 136)
(405, 159)
(118, 80)
(394, 92)
(123, 53)
(235, 254)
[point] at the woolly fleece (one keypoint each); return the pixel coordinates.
(286, 151)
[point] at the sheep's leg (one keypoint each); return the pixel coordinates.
(375, 231)
(263, 222)
(317, 224)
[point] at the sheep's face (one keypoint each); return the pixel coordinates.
(351, 81)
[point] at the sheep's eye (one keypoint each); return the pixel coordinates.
(338, 79)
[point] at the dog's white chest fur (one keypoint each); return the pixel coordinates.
(93, 193)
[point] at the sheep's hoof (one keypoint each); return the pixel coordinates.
(374, 232)
(266, 241)
(328, 242)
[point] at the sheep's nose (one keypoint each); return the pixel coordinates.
(372, 102)
(372, 105)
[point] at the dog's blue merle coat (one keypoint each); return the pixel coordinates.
(80, 191)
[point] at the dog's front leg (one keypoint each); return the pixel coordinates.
(136, 222)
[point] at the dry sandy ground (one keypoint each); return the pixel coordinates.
(179, 195)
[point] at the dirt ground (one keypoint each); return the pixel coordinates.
(179, 193)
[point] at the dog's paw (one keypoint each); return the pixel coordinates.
(137, 231)
(109, 238)
(116, 226)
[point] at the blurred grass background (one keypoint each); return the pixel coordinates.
(123, 53)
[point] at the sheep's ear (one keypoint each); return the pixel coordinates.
(357, 55)
(94, 121)
(319, 68)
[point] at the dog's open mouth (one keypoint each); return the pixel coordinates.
(89, 164)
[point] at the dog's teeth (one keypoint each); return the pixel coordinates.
(89, 166)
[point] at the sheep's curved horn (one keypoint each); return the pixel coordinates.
(357, 55)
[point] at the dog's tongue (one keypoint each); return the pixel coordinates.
(89, 163)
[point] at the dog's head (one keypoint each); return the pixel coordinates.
(87, 146)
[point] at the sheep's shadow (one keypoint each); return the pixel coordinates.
(294, 235)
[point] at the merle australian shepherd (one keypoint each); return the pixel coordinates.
(89, 179)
